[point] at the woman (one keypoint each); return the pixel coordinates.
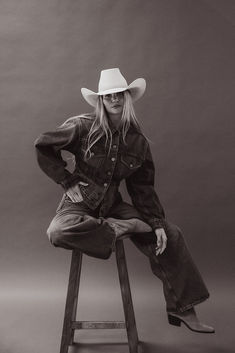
(108, 146)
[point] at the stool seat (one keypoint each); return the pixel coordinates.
(70, 323)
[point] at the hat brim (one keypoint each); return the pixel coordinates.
(136, 89)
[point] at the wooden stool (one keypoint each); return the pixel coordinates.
(70, 323)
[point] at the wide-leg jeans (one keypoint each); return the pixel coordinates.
(76, 226)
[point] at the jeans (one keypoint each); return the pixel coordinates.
(76, 226)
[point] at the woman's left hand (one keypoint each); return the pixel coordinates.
(161, 240)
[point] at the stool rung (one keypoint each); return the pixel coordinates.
(98, 325)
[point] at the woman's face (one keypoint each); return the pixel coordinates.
(114, 102)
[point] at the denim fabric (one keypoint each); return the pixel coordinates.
(77, 226)
(104, 170)
(84, 225)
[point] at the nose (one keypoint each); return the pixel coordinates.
(114, 97)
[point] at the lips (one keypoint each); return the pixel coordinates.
(116, 106)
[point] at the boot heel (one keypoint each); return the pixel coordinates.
(174, 320)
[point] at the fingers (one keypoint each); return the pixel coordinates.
(74, 194)
(161, 241)
(74, 197)
(164, 242)
(159, 244)
(158, 251)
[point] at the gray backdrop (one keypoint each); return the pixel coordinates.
(49, 50)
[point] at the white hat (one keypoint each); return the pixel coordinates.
(112, 81)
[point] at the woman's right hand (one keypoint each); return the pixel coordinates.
(74, 192)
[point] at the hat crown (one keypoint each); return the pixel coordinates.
(111, 79)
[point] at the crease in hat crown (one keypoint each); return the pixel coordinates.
(112, 81)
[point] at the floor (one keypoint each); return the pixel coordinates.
(31, 320)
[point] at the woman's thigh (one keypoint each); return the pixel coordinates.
(76, 226)
(70, 216)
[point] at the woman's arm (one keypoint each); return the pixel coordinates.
(48, 149)
(140, 186)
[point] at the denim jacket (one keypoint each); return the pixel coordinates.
(104, 170)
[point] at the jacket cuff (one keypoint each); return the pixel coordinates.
(157, 223)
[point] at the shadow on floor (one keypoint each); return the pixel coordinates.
(144, 347)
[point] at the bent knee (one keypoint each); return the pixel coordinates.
(54, 233)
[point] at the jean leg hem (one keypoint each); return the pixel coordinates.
(179, 307)
(191, 305)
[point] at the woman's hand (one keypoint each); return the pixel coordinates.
(161, 240)
(74, 192)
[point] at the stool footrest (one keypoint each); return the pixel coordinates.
(76, 325)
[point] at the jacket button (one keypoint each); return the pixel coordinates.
(131, 165)
(112, 159)
(109, 173)
(92, 153)
(105, 185)
(114, 146)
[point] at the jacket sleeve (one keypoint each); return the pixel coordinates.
(140, 186)
(48, 150)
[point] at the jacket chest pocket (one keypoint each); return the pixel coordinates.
(130, 163)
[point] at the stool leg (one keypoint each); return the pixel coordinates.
(71, 301)
(126, 297)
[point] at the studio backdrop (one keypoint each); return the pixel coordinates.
(185, 51)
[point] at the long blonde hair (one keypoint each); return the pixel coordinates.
(100, 126)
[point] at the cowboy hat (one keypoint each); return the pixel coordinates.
(112, 81)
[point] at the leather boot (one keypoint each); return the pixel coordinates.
(190, 319)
